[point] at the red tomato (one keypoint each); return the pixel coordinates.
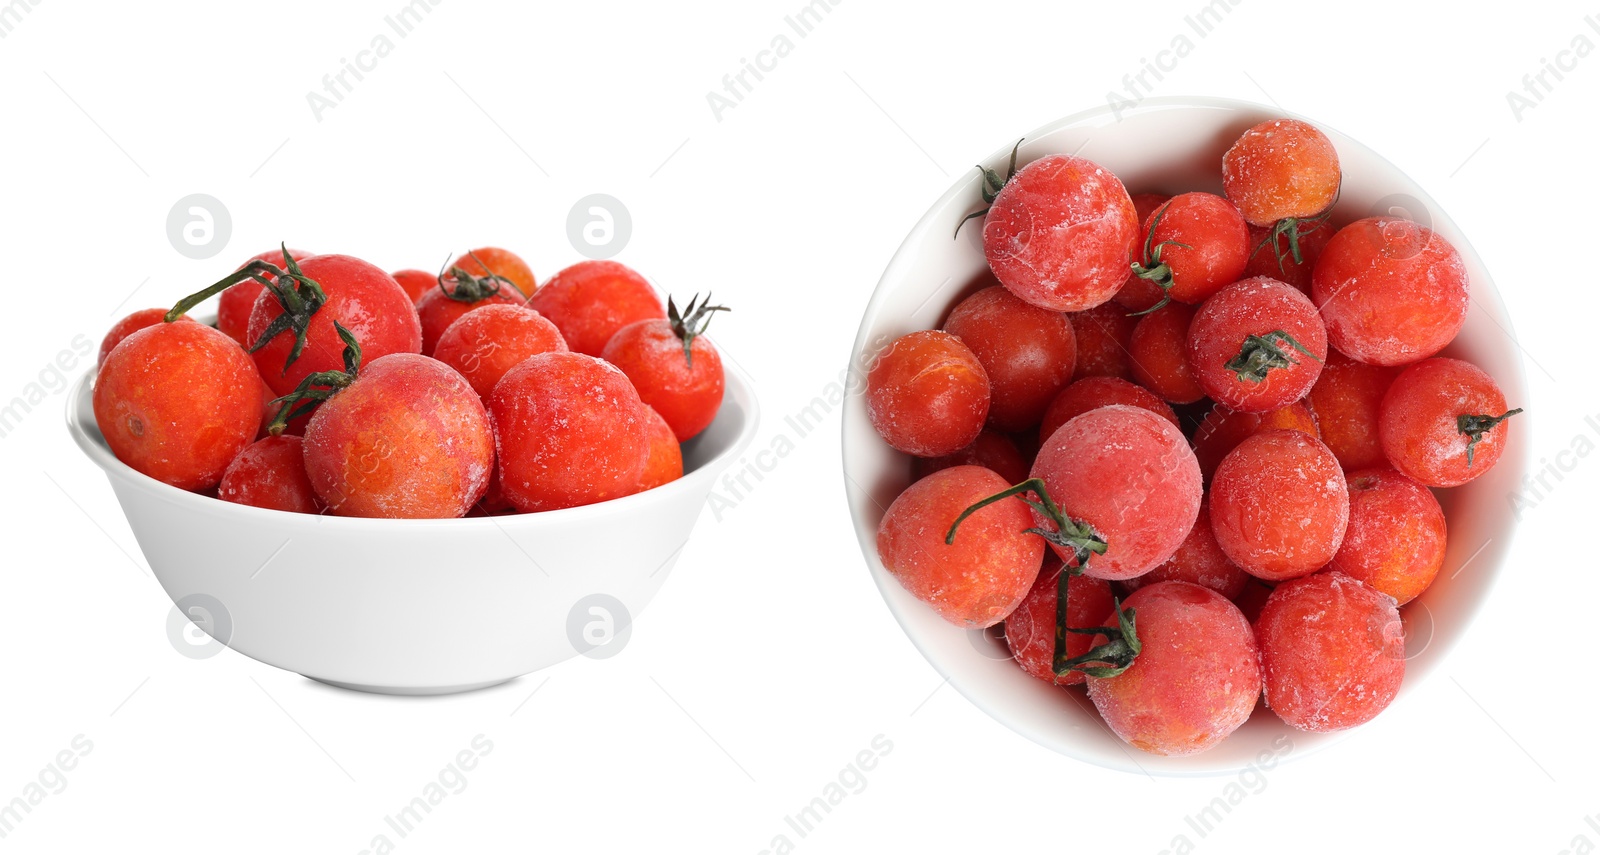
(499, 262)
(980, 576)
(1391, 291)
(408, 438)
(416, 282)
(457, 294)
(1137, 295)
(570, 430)
(490, 340)
(271, 473)
(363, 298)
(236, 303)
(1257, 345)
(665, 463)
(178, 401)
(991, 450)
(1279, 505)
(1103, 334)
(1192, 246)
(1346, 399)
(129, 325)
(1281, 168)
(1199, 560)
(1158, 352)
(1396, 537)
(927, 394)
(1443, 422)
(1092, 393)
(1031, 628)
(1197, 676)
(591, 300)
(1027, 352)
(676, 370)
(1061, 234)
(1332, 652)
(1223, 429)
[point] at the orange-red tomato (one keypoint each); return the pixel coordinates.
(1391, 291)
(684, 385)
(1332, 651)
(1158, 353)
(977, 579)
(1281, 168)
(407, 439)
(665, 463)
(1027, 352)
(416, 282)
(570, 430)
(591, 300)
(1223, 429)
(1279, 504)
(499, 262)
(271, 473)
(490, 340)
(1031, 628)
(235, 304)
(129, 325)
(178, 402)
(1443, 422)
(927, 394)
(1396, 537)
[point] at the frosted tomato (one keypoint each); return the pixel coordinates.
(1257, 345)
(1332, 652)
(457, 293)
(178, 401)
(977, 577)
(1128, 484)
(1223, 429)
(1060, 233)
(591, 300)
(1391, 291)
(1031, 628)
(1092, 393)
(927, 394)
(1103, 335)
(1028, 353)
(271, 473)
(676, 370)
(664, 464)
(1158, 352)
(1198, 560)
(1443, 422)
(490, 340)
(1346, 400)
(1196, 678)
(1192, 246)
(1281, 168)
(1279, 504)
(570, 430)
(1396, 537)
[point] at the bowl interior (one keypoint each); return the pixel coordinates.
(1165, 145)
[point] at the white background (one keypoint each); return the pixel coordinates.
(768, 661)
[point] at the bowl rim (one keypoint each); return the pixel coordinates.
(738, 387)
(962, 187)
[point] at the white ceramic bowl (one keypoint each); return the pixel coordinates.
(1167, 145)
(418, 606)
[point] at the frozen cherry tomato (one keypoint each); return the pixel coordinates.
(1060, 234)
(178, 401)
(298, 323)
(416, 282)
(1103, 335)
(570, 430)
(1196, 678)
(1332, 651)
(1443, 422)
(1092, 393)
(1279, 504)
(927, 394)
(1199, 560)
(991, 450)
(454, 295)
(591, 300)
(1346, 399)
(1158, 352)
(980, 576)
(1136, 294)
(236, 303)
(407, 438)
(1031, 628)
(1391, 291)
(1027, 352)
(1257, 345)
(1281, 168)
(676, 369)
(1125, 477)
(271, 473)
(1223, 429)
(1396, 537)
(665, 461)
(490, 340)
(504, 263)
(1192, 246)
(129, 325)
(1288, 254)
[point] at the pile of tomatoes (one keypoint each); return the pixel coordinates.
(1263, 552)
(331, 386)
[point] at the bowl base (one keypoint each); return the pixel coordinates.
(409, 690)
